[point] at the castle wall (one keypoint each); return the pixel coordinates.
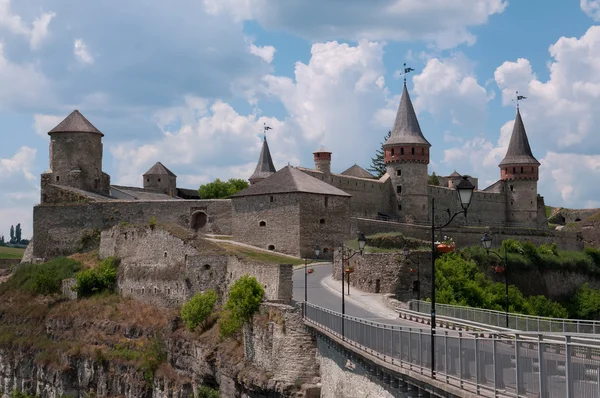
(324, 220)
(369, 197)
(463, 237)
(281, 218)
(59, 229)
(160, 268)
(486, 209)
(521, 206)
(409, 189)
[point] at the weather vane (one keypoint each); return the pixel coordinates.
(407, 71)
(265, 128)
(519, 98)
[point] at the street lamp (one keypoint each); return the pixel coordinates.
(346, 256)
(306, 262)
(464, 190)
(486, 242)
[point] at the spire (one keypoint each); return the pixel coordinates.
(75, 123)
(519, 151)
(265, 166)
(406, 127)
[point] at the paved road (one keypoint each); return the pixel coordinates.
(321, 295)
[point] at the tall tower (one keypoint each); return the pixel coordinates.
(406, 156)
(323, 161)
(519, 170)
(161, 179)
(76, 157)
(265, 167)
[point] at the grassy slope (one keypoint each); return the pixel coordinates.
(259, 255)
(11, 252)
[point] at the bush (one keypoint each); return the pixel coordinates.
(91, 281)
(594, 254)
(152, 222)
(43, 278)
(152, 357)
(245, 296)
(196, 311)
(207, 392)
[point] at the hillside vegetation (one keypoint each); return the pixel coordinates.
(11, 252)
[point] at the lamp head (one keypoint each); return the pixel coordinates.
(465, 192)
(405, 251)
(317, 250)
(362, 241)
(486, 241)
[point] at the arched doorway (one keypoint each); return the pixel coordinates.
(199, 219)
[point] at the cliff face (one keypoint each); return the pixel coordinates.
(112, 346)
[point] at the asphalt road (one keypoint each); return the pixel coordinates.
(321, 295)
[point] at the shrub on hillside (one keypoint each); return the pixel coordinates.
(95, 280)
(207, 392)
(196, 311)
(42, 278)
(245, 296)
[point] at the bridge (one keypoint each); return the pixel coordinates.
(475, 363)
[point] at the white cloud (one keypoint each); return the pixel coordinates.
(82, 53)
(443, 22)
(14, 24)
(591, 8)
(44, 123)
(267, 53)
(567, 179)
(448, 88)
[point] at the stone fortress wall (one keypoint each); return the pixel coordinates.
(167, 265)
(59, 229)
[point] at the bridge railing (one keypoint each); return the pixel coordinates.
(501, 366)
(526, 323)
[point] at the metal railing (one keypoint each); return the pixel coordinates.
(507, 366)
(526, 323)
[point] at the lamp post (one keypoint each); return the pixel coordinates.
(486, 242)
(465, 193)
(362, 241)
(306, 262)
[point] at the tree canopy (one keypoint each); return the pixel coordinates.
(377, 163)
(222, 189)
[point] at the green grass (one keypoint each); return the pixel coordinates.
(549, 210)
(258, 255)
(41, 278)
(353, 244)
(11, 252)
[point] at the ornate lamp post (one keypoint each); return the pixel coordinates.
(486, 242)
(346, 256)
(306, 262)
(465, 193)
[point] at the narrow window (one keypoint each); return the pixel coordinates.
(398, 172)
(147, 180)
(422, 151)
(143, 291)
(271, 247)
(511, 187)
(322, 221)
(532, 170)
(326, 201)
(392, 151)
(521, 170)
(271, 199)
(401, 151)
(412, 151)
(318, 155)
(514, 170)
(159, 180)
(57, 178)
(207, 266)
(262, 224)
(399, 206)
(511, 202)
(399, 189)
(165, 254)
(169, 291)
(155, 290)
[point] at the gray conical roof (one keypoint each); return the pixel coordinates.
(357, 171)
(75, 123)
(159, 169)
(265, 166)
(519, 151)
(406, 126)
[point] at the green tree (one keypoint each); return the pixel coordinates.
(95, 280)
(377, 163)
(245, 296)
(18, 233)
(196, 311)
(222, 189)
(433, 179)
(12, 234)
(2, 242)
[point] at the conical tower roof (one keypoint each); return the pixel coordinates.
(265, 167)
(159, 169)
(75, 123)
(519, 151)
(406, 126)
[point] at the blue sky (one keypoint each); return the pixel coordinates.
(190, 83)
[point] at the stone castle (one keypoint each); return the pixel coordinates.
(285, 211)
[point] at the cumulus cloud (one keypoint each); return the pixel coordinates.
(567, 179)
(266, 52)
(445, 23)
(82, 53)
(44, 123)
(591, 8)
(448, 89)
(14, 24)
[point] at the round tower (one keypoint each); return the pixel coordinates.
(406, 156)
(520, 172)
(76, 156)
(323, 160)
